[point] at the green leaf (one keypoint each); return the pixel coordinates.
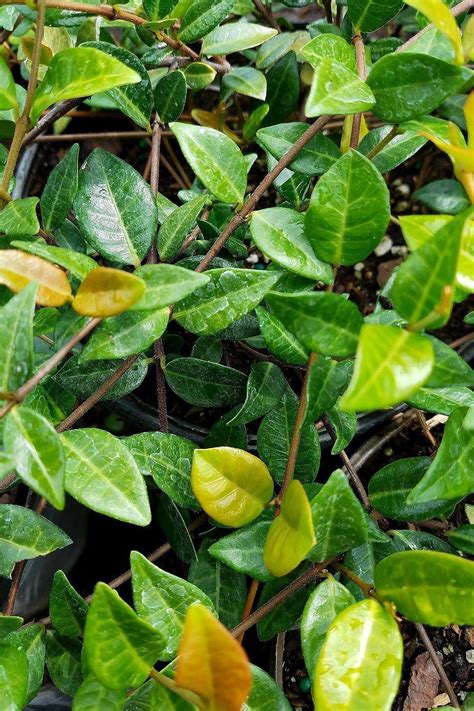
(214, 157)
(199, 75)
(285, 615)
(208, 348)
(397, 151)
(324, 322)
(242, 550)
(442, 400)
(60, 190)
(338, 517)
(38, 454)
(13, 675)
(445, 196)
(361, 659)
(425, 79)
(230, 294)
(274, 438)
(283, 87)
(16, 339)
(391, 364)
(450, 474)
(318, 155)
(406, 540)
(235, 37)
(162, 599)
(173, 522)
(167, 459)
(265, 695)
(205, 384)
(18, 217)
(345, 427)
(63, 660)
(67, 609)
(170, 96)
(226, 588)
(94, 696)
(102, 474)
(326, 601)
(424, 284)
(124, 335)
(369, 15)
(274, 49)
(433, 588)
(336, 89)
(201, 17)
(77, 264)
(7, 87)
(324, 384)
(31, 638)
(120, 648)
(166, 284)
(291, 534)
(279, 234)
(265, 386)
(9, 624)
(279, 340)
(115, 208)
(462, 538)
(349, 211)
(135, 100)
(247, 81)
(449, 367)
(329, 46)
(79, 71)
(84, 379)
(178, 225)
(390, 486)
(232, 486)
(158, 9)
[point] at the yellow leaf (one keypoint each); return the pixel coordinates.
(18, 269)
(211, 663)
(231, 485)
(469, 116)
(468, 38)
(440, 15)
(107, 292)
(291, 535)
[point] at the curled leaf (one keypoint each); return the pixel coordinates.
(107, 292)
(18, 269)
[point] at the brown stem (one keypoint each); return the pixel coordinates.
(252, 594)
(52, 115)
(14, 587)
(252, 201)
(438, 665)
(22, 123)
(362, 74)
(267, 14)
(367, 589)
(303, 580)
(48, 366)
(384, 142)
(455, 11)
(328, 10)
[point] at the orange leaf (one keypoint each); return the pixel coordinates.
(211, 663)
(18, 269)
(107, 292)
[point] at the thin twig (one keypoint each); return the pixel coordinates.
(14, 588)
(252, 594)
(438, 665)
(455, 11)
(362, 74)
(267, 14)
(384, 142)
(50, 116)
(328, 10)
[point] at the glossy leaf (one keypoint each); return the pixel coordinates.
(18, 269)
(274, 440)
(60, 190)
(211, 663)
(438, 13)
(369, 15)
(83, 380)
(77, 264)
(102, 474)
(31, 639)
(13, 675)
(79, 71)
(108, 292)
(287, 614)
(170, 96)
(63, 661)
(38, 453)
(349, 211)
(229, 295)
(324, 384)
(391, 364)
(329, 46)
(67, 609)
(279, 340)
(442, 400)
(215, 159)
(201, 17)
(360, 661)
(279, 234)
(25, 535)
(115, 208)
(166, 284)
(462, 538)
(177, 226)
(428, 587)
(449, 367)
(265, 695)
(163, 599)
(265, 387)
(247, 81)
(389, 488)
(445, 196)
(396, 152)
(336, 89)
(18, 217)
(235, 37)
(125, 335)
(326, 601)
(242, 550)
(317, 156)
(282, 89)
(344, 425)
(231, 485)
(291, 534)
(338, 517)
(16, 339)
(94, 696)
(7, 87)
(205, 384)
(427, 80)
(158, 9)
(323, 322)
(120, 648)
(167, 459)
(450, 475)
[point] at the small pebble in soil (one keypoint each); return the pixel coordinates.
(304, 685)
(384, 246)
(470, 656)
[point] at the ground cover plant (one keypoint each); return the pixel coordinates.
(201, 339)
